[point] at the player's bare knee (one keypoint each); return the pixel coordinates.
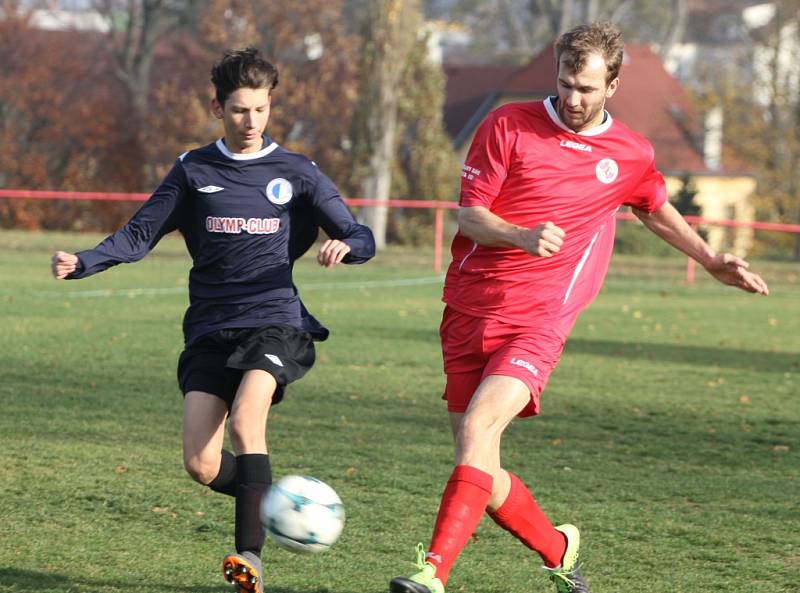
(245, 433)
(201, 470)
(237, 426)
(481, 428)
(475, 440)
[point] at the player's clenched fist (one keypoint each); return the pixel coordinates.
(63, 264)
(544, 240)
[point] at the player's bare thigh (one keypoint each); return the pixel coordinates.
(248, 423)
(204, 416)
(203, 434)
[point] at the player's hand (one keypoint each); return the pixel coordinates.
(732, 270)
(545, 240)
(332, 252)
(63, 264)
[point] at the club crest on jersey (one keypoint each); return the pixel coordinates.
(607, 170)
(279, 191)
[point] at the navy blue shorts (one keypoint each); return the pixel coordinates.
(216, 362)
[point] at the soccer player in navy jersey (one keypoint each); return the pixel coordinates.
(540, 189)
(247, 209)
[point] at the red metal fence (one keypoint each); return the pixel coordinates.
(438, 206)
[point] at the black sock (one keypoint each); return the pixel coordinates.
(253, 476)
(225, 482)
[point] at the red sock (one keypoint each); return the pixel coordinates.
(463, 504)
(522, 517)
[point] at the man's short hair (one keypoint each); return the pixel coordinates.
(242, 68)
(577, 44)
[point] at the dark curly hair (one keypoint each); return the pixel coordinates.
(242, 68)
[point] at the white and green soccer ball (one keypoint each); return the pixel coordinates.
(302, 514)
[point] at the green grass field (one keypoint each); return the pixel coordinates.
(670, 433)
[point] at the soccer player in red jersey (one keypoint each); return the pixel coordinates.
(539, 192)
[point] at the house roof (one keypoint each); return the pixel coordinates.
(649, 101)
(652, 102)
(467, 88)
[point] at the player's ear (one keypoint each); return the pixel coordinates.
(612, 88)
(216, 108)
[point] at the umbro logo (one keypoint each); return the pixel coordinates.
(274, 359)
(210, 189)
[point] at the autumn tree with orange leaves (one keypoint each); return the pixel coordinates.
(315, 53)
(60, 115)
(111, 111)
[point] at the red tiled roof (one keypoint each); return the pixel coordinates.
(653, 103)
(537, 77)
(649, 101)
(467, 88)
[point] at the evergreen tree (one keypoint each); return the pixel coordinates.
(684, 199)
(426, 168)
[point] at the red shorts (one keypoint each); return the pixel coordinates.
(474, 348)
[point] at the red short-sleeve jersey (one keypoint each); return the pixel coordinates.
(527, 167)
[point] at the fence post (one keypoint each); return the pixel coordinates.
(438, 230)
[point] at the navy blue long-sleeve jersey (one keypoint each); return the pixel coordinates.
(245, 219)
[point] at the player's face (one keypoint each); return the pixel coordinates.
(244, 116)
(582, 95)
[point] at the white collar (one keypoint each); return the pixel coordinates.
(245, 156)
(595, 131)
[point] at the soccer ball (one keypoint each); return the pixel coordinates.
(302, 514)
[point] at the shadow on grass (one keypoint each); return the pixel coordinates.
(384, 333)
(754, 360)
(32, 581)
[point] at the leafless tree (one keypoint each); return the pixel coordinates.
(391, 29)
(134, 29)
